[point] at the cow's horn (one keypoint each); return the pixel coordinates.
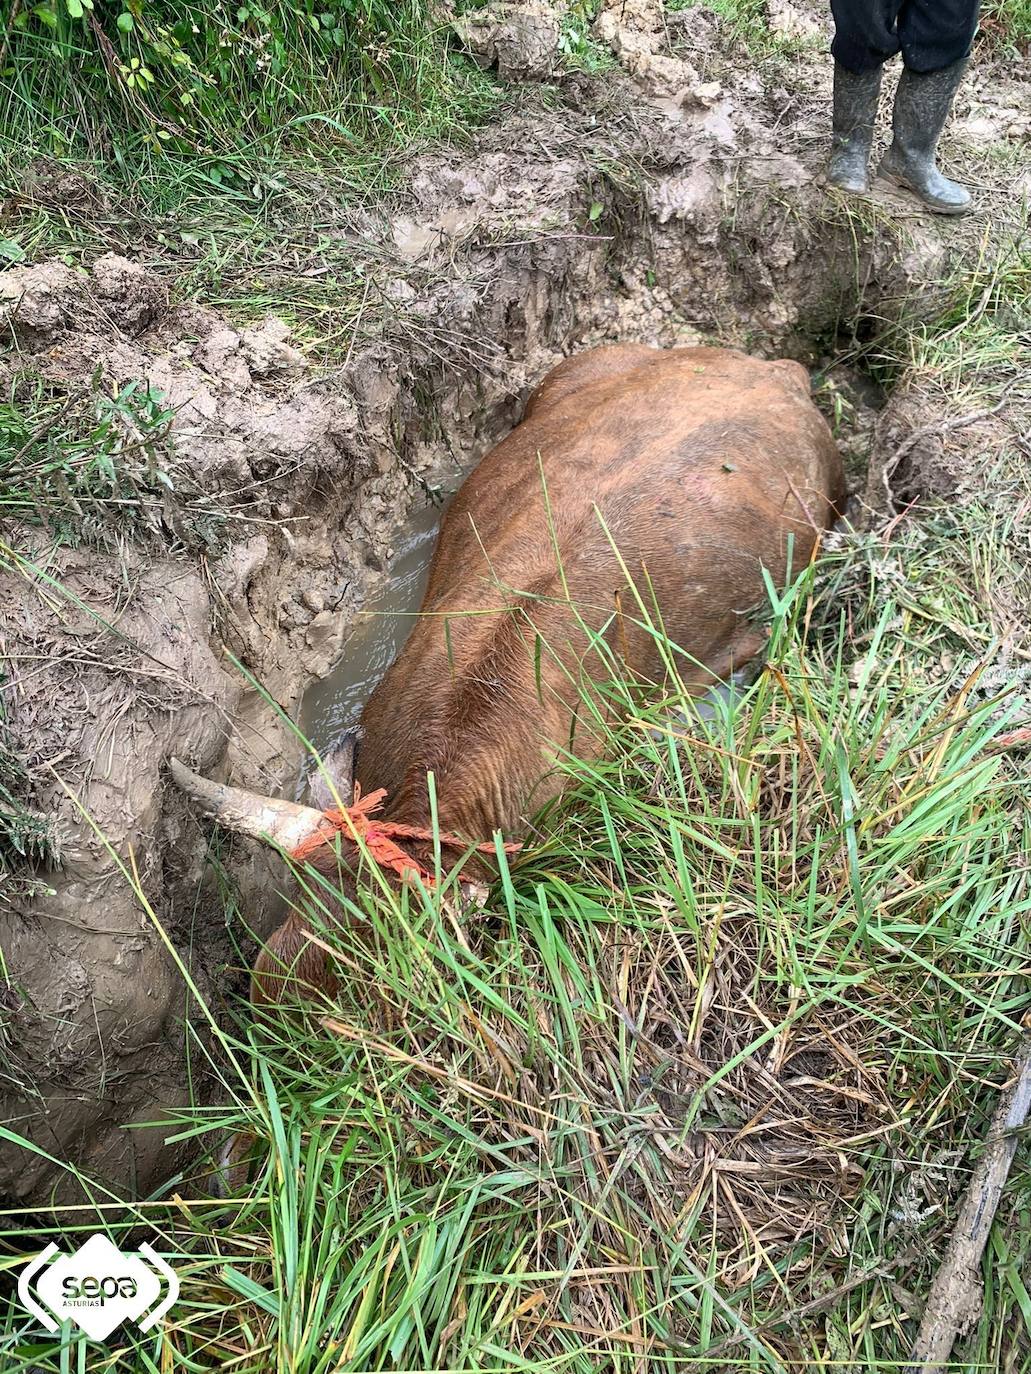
(264, 818)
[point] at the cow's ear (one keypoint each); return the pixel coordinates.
(332, 781)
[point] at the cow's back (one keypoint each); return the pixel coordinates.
(705, 466)
(682, 451)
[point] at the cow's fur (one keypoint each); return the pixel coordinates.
(703, 463)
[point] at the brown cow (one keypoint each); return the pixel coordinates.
(704, 466)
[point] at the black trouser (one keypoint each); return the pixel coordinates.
(930, 34)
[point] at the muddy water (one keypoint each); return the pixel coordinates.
(381, 628)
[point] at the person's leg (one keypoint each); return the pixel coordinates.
(865, 33)
(864, 38)
(935, 37)
(936, 34)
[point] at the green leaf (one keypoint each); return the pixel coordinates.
(11, 250)
(596, 211)
(125, 22)
(243, 1284)
(74, 8)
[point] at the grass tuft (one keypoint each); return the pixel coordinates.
(193, 79)
(1006, 24)
(746, 22)
(258, 132)
(82, 454)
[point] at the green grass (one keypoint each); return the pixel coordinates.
(974, 337)
(193, 79)
(579, 50)
(83, 455)
(294, 123)
(1007, 24)
(717, 1046)
(746, 22)
(24, 834)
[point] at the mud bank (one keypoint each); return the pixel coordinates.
(670, 202)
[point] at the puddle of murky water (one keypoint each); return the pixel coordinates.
(381, 628)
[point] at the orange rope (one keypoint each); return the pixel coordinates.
(355, 821)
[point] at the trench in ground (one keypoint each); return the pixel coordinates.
(415, 419)
(334, 703)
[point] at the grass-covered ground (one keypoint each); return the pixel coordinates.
(702, 1085)
(226, 143)
(699, 1088)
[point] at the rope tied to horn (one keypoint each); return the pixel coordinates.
(358, 822)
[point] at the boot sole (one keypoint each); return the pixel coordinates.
(894, 179)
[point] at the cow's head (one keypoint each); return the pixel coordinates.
(303, 832)
(333, 837)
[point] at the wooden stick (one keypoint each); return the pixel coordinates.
(954, 1302)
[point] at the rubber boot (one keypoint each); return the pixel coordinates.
(855, 110)
(922, 104)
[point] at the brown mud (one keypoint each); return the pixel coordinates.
(676, 198)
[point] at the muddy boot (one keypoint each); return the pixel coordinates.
(855, 109)
(922, 105)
